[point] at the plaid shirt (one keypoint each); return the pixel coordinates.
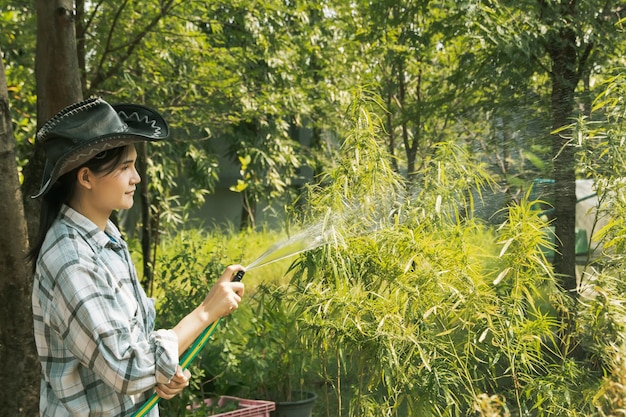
(94, 325)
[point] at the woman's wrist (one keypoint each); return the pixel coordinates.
(191, 326)
(204, 316)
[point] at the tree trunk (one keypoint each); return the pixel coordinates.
(58, 85)
(248, 211)
(564, 79)
(20, 374)
(80, 42)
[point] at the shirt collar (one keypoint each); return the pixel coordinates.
(89, 230)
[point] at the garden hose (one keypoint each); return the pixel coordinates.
(188, 357)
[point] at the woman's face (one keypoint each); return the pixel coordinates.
(115, 190)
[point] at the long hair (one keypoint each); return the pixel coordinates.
(63, 191)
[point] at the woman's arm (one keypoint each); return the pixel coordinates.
(222, 299)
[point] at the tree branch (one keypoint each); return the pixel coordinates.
(101, 74)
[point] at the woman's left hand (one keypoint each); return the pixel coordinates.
(179, 381)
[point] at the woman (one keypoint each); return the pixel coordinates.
(94, 325)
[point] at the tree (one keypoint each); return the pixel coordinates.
(557, 44)
(413, 55)
(17, 348)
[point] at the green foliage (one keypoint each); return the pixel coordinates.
(242, 81)
(422, 315)
(415, 310)
(250, 77)
(609, 399)
(413, 298)
(188, 266)
(263, 353)
(17, 45)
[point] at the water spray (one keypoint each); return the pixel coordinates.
(307, 240)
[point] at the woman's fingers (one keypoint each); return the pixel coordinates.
(179, 382)
(226, 294)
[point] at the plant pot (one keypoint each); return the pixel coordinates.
(300, 406)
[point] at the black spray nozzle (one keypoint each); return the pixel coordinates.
(238, 276)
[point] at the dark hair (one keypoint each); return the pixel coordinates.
(63, 190)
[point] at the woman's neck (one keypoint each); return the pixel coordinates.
(99, 217)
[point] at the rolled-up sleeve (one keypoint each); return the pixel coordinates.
(166, 343)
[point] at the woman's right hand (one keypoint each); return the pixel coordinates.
(223, 298)
(225, 295)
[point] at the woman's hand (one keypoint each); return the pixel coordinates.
(221, 300)
(225, 295)
(179, 381)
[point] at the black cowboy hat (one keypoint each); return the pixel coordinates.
(81, 131)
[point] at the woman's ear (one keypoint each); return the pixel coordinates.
(84, 178)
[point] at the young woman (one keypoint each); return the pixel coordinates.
(94, 325)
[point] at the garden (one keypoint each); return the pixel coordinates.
(397, 177)
(401, 303)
